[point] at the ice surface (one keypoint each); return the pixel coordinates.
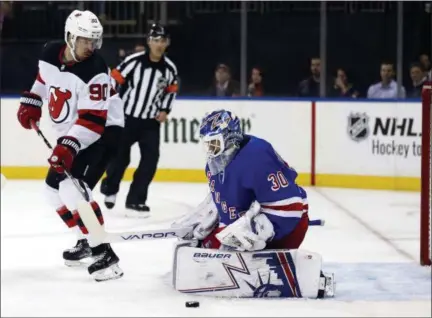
(370, 241)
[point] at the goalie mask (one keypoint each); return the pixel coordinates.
(83, 25)
(221, 135)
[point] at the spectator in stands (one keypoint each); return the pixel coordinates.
(310, 87)
(387, 87)
(425, 62)
(121, 54)
(6, 11)
(342, 87)
(139, 47)
(255, 87)
(224, 85)
(418, 77)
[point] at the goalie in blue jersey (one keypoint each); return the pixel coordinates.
(245, 236)
(247, 178)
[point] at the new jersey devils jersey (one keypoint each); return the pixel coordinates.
(76, 93)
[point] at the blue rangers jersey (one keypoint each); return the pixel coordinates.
(258, 173)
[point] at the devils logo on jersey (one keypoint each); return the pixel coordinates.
(58, 104)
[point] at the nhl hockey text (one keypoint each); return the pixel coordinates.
(394, 149)
(389, 132)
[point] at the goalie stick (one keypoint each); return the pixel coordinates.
(93, 226)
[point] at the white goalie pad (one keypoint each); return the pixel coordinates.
(269, 273)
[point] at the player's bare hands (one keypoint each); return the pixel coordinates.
(162, 116)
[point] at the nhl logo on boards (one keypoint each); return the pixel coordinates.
(358, 126)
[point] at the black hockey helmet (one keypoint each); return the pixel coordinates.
(157, 31)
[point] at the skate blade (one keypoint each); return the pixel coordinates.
(85, 262)
(330, 285)
(110, 273)
(129, 213)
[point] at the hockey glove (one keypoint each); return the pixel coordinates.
(251, 232)
(203, 220)
(30, 109)
(64, 153)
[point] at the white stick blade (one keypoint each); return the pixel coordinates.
(96, 231)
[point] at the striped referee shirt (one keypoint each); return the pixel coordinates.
(146, 87)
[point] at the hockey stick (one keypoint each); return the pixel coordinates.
(317, 222)
(83, 206)
(93, 226)
(140, 235)
(67, 173)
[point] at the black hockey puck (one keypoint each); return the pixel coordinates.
(192, 304)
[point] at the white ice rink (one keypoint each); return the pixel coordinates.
(370, 241)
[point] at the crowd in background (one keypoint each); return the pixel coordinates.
(218, 75)
(341, 84)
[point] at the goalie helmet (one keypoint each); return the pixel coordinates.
(221, 135)
(82, 24)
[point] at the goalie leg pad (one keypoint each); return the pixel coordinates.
(270, 273)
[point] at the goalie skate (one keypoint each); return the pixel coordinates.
(78, 255)
(327, 285)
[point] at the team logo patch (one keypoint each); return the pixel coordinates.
(58, 104)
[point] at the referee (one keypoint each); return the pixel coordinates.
(148, 86)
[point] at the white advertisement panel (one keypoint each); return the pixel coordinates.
(363, 138)
(287, 125)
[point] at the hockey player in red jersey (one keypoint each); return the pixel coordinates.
(74, 80)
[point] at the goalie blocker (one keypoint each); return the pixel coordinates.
(267, 273)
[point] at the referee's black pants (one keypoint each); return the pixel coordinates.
(147, 133)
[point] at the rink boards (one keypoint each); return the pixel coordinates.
(356, 143)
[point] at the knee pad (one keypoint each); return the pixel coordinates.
(70, 195)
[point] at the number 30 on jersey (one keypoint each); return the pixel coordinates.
(277, 180)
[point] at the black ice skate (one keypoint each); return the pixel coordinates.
(137, 210)
(105, 266)
(74, 256)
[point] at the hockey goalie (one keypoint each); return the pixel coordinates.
(246, 234)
